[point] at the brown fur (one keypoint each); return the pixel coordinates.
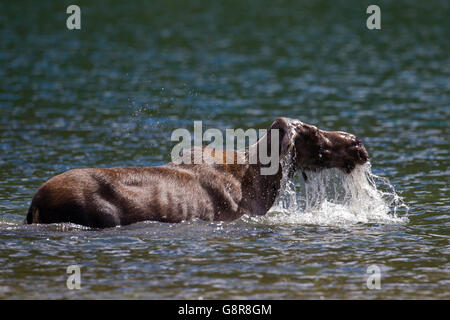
(172, 193)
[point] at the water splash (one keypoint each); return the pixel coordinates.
(333, 198)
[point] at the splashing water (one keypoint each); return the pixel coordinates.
(333, 198)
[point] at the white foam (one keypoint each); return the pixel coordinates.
(333, 198)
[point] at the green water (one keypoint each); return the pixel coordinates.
(111, 93)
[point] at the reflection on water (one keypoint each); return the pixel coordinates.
(111, 94)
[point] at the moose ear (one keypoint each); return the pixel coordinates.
(286, 134)
(287, 141)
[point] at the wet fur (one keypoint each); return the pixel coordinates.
(103, 198)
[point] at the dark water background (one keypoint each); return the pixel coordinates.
(112, 93)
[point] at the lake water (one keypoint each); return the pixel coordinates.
(111, 94)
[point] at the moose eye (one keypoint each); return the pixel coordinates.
(326, 153)
(320, 157)
(323, 155)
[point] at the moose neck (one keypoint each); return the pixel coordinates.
(262, 178)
